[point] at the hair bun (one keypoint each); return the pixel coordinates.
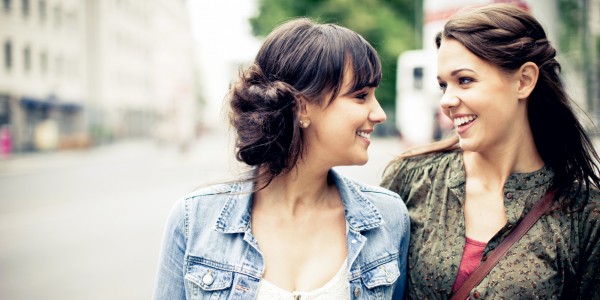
(264, 114)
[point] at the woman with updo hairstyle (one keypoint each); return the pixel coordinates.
(517, 142)
(294, 228)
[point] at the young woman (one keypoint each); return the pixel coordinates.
(295, 229)
(516, 138)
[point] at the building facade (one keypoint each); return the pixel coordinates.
(42, 74)
(78, 72)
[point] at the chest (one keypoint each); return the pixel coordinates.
(537, 266)
(484, 215)
(304, 253)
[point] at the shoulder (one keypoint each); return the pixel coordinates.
(429, 159)
(582, 199)
(371, 190)
(212, 191)
(384, 200)
(406, 169)
(581, 205)
(591, 204)
(209, 199)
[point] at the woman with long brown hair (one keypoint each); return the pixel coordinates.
(517, 139)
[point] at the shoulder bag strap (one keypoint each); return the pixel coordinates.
(488, 264)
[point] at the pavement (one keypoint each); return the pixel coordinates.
(88, 224)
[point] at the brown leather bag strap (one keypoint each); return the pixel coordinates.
(488, 264)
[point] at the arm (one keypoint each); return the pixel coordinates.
(169, 281)
(588, 275)
(400, 289)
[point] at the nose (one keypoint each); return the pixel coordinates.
(377, 114)
(449, 101)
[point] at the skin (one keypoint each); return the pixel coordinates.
(498, 141)
(299, 218)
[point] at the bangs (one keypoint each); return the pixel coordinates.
(323, 53)
(355, 54)
(365, 72)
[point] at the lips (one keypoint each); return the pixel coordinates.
(363, 134)
(464, 120)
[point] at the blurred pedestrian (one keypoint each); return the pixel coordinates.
(294, 228)
(5, 141)
(517, 141)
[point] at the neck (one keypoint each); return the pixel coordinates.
(494, 166)
(301, 189)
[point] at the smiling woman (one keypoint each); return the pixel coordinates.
(294, 228)
(517, 139)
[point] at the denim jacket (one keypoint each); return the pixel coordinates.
(209, 252)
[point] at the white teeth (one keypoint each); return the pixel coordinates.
(463, 120)
(364, 135)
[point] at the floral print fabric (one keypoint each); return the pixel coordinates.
(558, 257)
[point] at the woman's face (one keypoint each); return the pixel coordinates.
(480, 99)
(339, 133)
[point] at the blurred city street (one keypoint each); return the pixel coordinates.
(88, 224)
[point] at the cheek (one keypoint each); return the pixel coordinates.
(445, 112)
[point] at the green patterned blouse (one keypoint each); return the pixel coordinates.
(558, 257)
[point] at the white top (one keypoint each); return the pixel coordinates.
(336, 288)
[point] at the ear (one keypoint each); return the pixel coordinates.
(303, 108)
(527, 75)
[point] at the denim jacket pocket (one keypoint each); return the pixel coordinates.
(205, 280)
(382, 275)
(376, 283)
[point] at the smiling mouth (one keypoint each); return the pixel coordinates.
(364, 135)
(463, 121)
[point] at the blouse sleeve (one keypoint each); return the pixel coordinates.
(398, 176)
(589, 274)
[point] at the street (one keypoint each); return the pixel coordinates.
(88, 224)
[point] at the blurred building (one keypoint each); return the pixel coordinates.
(75, 72)
(42, 71)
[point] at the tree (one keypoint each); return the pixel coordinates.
(391, 26)
(579, 45)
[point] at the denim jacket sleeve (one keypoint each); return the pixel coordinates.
(169, 281)
(400, 288)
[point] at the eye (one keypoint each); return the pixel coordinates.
(362, 96)
(465, 80)
(443, 86)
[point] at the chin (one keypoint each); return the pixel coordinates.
(467, 145)
(356, 162)
(362, 162)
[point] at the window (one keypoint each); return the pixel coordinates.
(57, 16)
(44, 62)
(7, 55)
(27, 59)
(58, 62)
(25, 7)
(6, 5)
(418, 78)
(42, 8)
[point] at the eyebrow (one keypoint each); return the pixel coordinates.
(453, 73)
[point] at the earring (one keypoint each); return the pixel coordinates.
(304, 124)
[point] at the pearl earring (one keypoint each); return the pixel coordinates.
(304, 124)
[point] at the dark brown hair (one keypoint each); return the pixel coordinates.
(299, 58)
(508, 37)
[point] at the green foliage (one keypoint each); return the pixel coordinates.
(570, 31)
(391, 26)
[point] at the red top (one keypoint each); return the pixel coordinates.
(470, 260)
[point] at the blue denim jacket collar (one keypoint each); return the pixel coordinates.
(361, 214)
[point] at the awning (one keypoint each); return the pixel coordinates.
(51, 102)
